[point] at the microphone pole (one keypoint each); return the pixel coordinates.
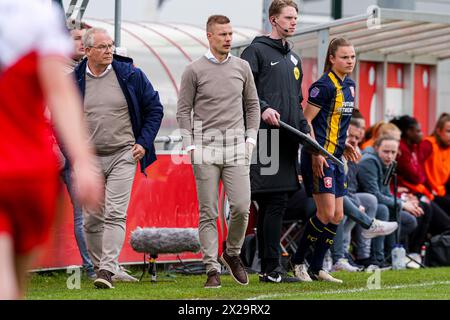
(397, 210)
(390, 172)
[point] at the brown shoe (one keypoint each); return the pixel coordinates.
(236, 268)
(104, 280)
(213, 281)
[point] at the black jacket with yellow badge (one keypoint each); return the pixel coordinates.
(278, 78)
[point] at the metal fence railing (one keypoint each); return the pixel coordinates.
(169, 142)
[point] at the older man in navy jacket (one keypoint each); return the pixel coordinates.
(123, 114)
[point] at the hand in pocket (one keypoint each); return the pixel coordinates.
(248, 152)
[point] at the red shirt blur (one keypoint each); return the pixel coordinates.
(30, 30)
(410, 164)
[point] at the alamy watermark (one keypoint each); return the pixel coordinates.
(374, 281)
(230, 146)
(74, 280)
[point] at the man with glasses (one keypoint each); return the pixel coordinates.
(123, 113)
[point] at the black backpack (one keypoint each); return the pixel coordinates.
(438, 253)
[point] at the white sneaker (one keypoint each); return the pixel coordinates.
(324, 276)
(122, 276)
(379, 228)
(343, 265)
(301, 273)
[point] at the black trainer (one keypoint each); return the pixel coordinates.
(261, 277)
(277, 277)
(352, 262)
(383, 265)
(368, 263)
(104, 280)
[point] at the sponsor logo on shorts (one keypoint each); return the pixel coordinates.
(328, 182)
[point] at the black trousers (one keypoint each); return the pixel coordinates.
(271, 209)
(419, 235)
(440, 222)
(434, 221)
(444, 203)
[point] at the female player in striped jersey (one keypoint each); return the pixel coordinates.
(328, 112)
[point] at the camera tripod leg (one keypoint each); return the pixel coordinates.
(152, 267)
(143, 270)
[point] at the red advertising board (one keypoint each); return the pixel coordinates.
(165, 198)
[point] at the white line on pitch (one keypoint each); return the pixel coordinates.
(425, 284)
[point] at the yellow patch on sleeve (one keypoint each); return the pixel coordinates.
(297, 73)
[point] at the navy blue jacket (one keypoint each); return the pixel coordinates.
(146, 111)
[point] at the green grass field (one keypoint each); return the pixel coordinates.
(422, 284)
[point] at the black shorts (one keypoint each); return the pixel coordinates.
(334, 181)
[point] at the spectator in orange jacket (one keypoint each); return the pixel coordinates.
(435, 151)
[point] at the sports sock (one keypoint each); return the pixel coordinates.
(324, 243)
(313, 230)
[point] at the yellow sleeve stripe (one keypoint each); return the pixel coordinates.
(314, 104)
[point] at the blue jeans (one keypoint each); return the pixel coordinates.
(378, 242)
(337, 249)
(66, 175)
(370, 203)
(352, 216)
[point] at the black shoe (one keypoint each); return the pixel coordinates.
(367, 262)
(276, 277)
(104, 280)
(261, 277)
(383, 265)
(352, 262)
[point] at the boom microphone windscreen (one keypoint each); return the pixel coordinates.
(165, 240)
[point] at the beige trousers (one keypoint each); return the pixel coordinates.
(105, 229)
(222, 163)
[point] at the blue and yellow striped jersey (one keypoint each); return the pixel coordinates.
(335, 98)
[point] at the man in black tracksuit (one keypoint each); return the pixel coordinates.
(278, 76)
